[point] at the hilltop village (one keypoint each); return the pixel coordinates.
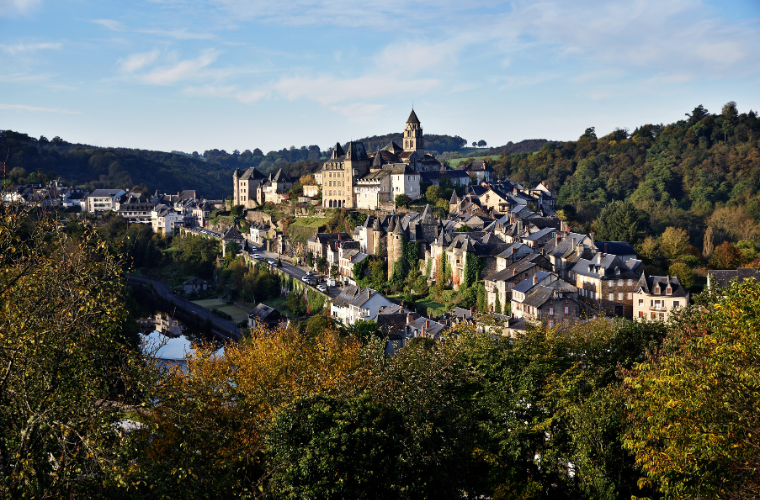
(397, 238)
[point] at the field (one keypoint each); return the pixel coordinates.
(304, 228)
(237, 313)
(457, 161)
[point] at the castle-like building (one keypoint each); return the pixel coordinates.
(352, 177)
(355, 178)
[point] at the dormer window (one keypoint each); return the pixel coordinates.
(669, 290)
(657, 290)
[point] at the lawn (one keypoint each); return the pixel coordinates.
(279, 304)
(430, 304)
(237, 313)
(314, 222)
(454, 162)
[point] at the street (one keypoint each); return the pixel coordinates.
(296, 272)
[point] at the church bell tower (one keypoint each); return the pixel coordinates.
(413, 140)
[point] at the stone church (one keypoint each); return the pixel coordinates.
(355, 178)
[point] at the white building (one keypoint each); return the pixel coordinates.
(355, 304)
(656, 297)
(103, 200)
(164, 220)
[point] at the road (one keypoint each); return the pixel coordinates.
(297, 272)
(164, 291)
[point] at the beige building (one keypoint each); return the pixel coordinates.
(656, 297)
(606, 284)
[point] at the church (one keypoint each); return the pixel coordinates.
(355, 178)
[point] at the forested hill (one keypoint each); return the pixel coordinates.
(434, 144)
(31, 160)
(703, 171)
(526, 146)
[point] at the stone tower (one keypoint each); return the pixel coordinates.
(395, 245)
(413, 140)
(236, 187)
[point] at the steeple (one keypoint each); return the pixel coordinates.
(413, 140)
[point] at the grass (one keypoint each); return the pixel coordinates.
(429, 303)
(313, 222)
(237, 313)
(279, 304)
(454, 162)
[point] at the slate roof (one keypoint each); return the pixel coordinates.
(102, 193)
(527, 283)
(433, 329)
(603, 266)
(520, 266)
(252, 174)
(413, 118)
(615, 247)
(649, 284)
(723, 278)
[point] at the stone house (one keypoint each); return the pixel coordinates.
(195, 285)
(555, 304)
(606, 284)
(657, 297)
(500, 283)
(318, 243)
(246, 187)
(264, 315)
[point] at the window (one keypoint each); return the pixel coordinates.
(630, 295)
(620, 296)
(567, 310)
(676, 303)
(620, 282)
(630, 282)
(641, 302)
(612, 296)
(654, 315)
(551, 311)
(551, 323)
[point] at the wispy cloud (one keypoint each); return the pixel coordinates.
(178, 34)
(138, 61)
(188, 69)
(14, 7)
(35, 109)
(230, 91)
(27, 48)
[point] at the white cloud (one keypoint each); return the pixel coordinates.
(11, 7)
(230, 92)
(138, 61)
(26, 48)
(23, 107)
(178, 34)
(677, 35)
(183, 70)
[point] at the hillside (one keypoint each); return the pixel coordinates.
(700, 172)
(434, 144)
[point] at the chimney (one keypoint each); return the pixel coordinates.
(591, 235)
(427, 323)
(535, 279)
(559, 237)
(514, 271)
(605, 248)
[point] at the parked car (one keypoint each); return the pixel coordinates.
(322, 288)
(255, 256)
(272, 262)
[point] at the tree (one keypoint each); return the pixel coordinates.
(497, 305)
(310, 258)
(693, 420)
(432, 194)
(684, 274)
(708, 244)
(674, 243)
(334, 271)
(482, 143)
(402, 200)
(699, 113)
(66, 366)
(237, 211)
(726, 256)
(464, 228)
(590, 133)
(619, 221)
(472, 268)
(474, 144)
(322, 264)
(296, 303)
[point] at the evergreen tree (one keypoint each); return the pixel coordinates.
(497, 305)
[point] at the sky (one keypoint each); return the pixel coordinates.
(241, 74)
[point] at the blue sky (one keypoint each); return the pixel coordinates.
(234, 74)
